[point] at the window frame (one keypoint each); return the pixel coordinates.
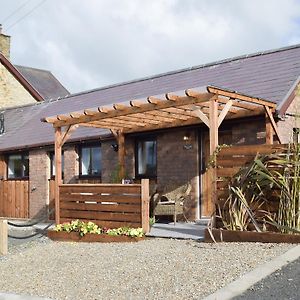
(23, 155)
(51, 154)
(150, 138)
(296, 135)
(79, 150)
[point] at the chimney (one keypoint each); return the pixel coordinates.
(4, 44)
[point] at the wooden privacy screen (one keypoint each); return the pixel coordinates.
(52, 193)
(108, 205)
(231, 159)
(14, 198)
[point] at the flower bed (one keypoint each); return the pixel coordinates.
(221, 235)
(90, 232)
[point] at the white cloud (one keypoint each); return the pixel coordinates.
(88, 44)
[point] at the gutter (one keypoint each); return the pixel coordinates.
(287, 100)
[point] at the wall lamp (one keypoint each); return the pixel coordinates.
(115, 147)
(187, 141)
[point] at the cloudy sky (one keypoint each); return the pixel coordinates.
(92, 43)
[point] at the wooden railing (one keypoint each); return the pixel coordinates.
(108, 205)
(14, 198)
(231, 159)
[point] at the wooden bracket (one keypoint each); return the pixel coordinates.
(224, 112)
(202, 117)
(67, 134)
(275, 128)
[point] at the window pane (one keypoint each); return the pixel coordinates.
(15, 167)
(85, 161)
(96, 161)
(147, 158)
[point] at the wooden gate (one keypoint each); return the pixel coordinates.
(14, 198)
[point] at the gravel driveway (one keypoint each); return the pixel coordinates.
(150, 269)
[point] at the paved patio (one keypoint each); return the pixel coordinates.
(192, 231)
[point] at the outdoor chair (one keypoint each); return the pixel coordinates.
(171, 203)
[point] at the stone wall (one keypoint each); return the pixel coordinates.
(12, 93)
(5, 45)
(39, 174)
(286, 125)
(71, 164)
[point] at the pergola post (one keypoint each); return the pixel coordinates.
(213, 126)
(121, 153)
(58, 171)
(213, 143)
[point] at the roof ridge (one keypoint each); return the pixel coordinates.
(214, 63)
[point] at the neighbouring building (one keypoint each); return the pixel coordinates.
(169, 156)
(21, 85)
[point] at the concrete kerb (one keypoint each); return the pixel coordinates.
(240, 285)
(4, 296)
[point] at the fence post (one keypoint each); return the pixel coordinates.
(3, 237)
(145, 204)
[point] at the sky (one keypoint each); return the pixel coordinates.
(93, 43)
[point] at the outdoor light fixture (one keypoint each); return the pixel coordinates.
(115, 147)
(187, 141)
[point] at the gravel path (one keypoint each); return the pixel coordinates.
(150, 269)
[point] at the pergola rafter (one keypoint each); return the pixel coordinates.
(189, 107)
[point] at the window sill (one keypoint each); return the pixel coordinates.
(17, 178)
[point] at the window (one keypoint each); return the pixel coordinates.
(145, 158)
(52, 164)
(90, 160)
(18, 166)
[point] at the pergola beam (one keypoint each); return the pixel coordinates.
(235, 95)
(96, 115)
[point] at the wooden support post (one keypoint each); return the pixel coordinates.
(213, 143)
(3, 237)
(213, 125)
(269, 130)
(145, 204)
(121, 154)
(58, 171)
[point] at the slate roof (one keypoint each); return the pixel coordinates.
(269, 75)
(44, 82)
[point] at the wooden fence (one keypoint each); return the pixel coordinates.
(231, 159)
(14, 198)
(108, 205)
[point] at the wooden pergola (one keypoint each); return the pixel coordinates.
(209, 105)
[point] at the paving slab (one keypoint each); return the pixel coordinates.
(192, 231)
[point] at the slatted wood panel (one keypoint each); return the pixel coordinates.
(231, 159)
(14, 198)
(108, 205)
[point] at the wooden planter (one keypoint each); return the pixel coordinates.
(90, 238)
(250, 236)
